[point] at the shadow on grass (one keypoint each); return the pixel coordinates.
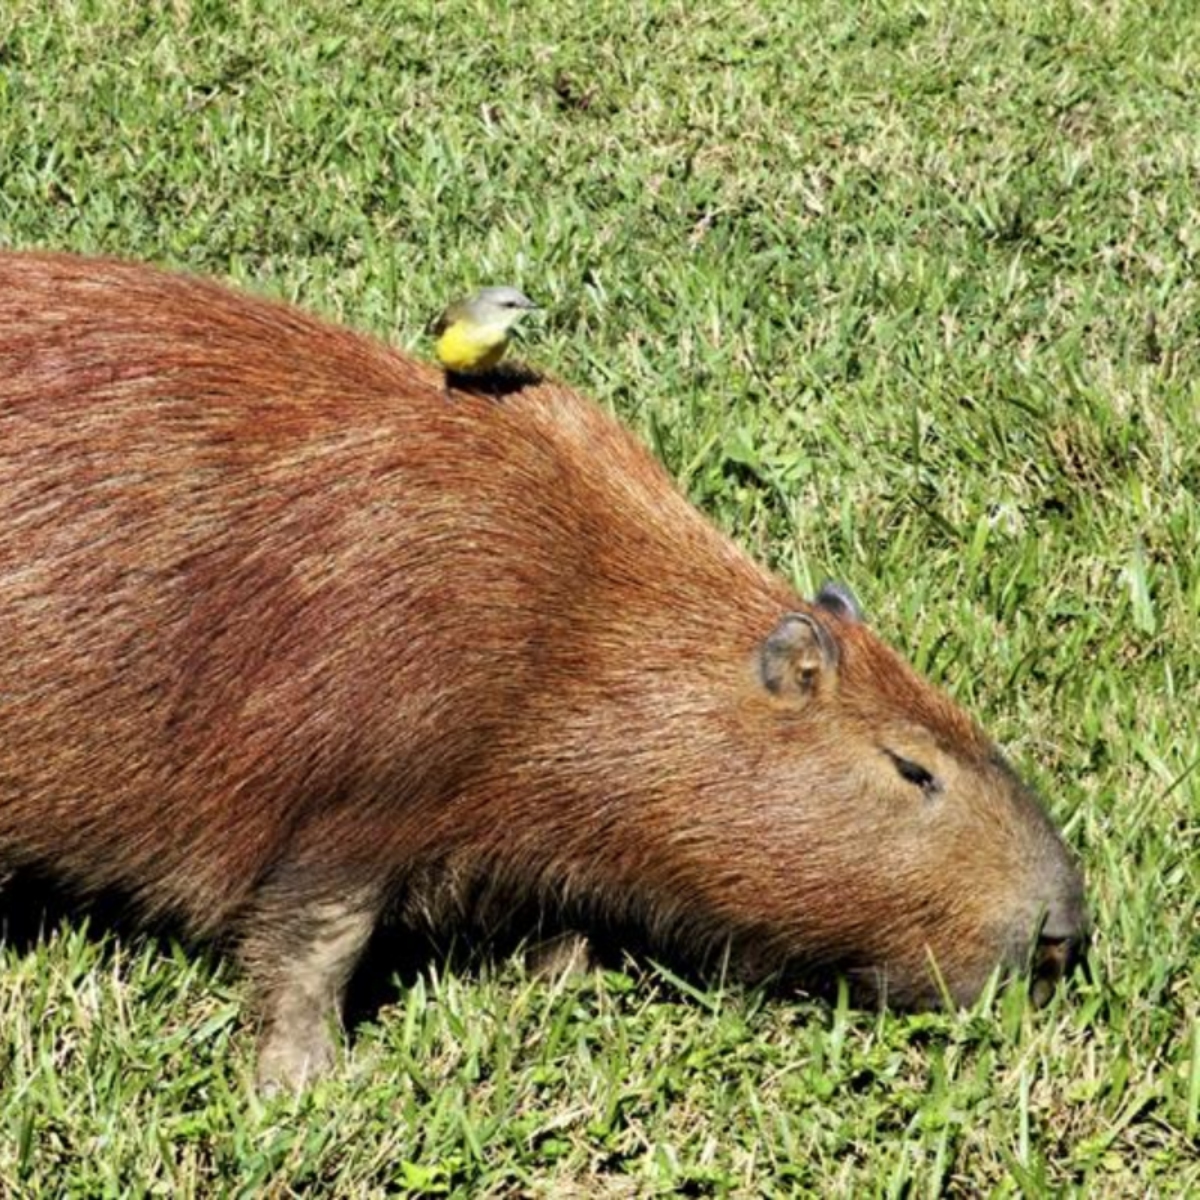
(33, 906)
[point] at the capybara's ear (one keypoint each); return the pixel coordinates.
(838, 599)
(797, 655)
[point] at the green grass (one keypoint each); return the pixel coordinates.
(909, 299)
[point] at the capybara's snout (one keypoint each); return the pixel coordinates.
(1062, 938)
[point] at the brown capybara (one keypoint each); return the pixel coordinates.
(289, 642)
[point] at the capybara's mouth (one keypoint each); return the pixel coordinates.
(1055, 956)
(1044, 965)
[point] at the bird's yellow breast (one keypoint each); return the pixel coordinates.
(466, 347)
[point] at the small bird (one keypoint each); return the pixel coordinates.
(472, 334)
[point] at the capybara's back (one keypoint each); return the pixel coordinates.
(289, 638)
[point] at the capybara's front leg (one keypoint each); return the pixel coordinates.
(300, 946)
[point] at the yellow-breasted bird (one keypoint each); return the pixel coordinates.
(472, 334)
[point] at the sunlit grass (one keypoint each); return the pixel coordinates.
(903, 294)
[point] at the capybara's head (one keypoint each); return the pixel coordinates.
(931, 862)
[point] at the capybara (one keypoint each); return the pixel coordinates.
(288, 644)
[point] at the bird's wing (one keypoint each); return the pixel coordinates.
(445, 319)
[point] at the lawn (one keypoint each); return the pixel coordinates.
(904, 294)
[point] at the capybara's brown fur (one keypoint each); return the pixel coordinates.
(289, 640)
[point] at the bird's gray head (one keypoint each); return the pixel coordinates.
(502, 306)
(504, 297)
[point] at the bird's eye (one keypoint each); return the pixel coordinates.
(914, 773)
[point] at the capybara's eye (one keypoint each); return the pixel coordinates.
(914, 773)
